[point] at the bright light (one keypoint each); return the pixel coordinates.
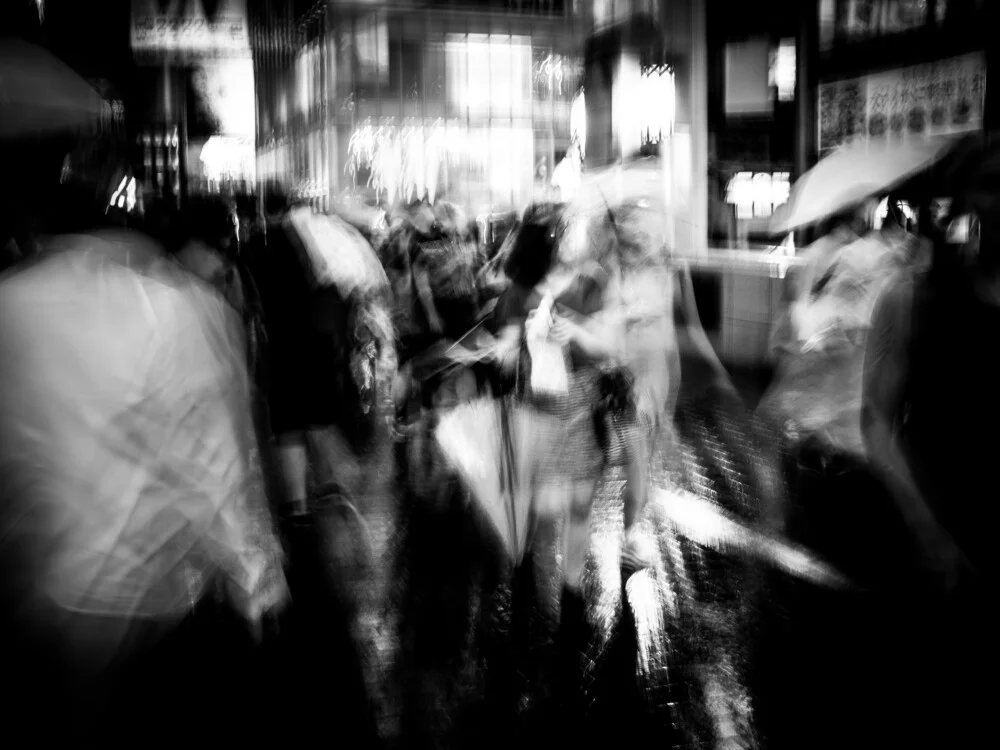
(408, 162)
(490, 75)
(882, 212)
(578, 122)
(657, 94)
(225, 157)
(757, 195)
(781, 73)
(227, 86)
(124, 195)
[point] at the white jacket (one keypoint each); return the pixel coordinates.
(126, 443)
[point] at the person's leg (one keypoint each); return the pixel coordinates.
(635, 489)
(576, 541)
(574, 630)
(635, 495)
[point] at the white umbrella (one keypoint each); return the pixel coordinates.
(339, 255)
(632, 197)
(488, 442)
(852, 174)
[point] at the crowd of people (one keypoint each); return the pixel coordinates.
(164, 376)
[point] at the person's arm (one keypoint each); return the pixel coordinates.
(599, 336)
(886, 372)
(595, 339)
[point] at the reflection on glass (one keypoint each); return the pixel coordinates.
(371, 37)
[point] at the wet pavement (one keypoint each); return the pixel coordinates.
(450, 658)
(432, 644)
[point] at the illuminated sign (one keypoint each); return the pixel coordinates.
(190, 28)
(756, 195)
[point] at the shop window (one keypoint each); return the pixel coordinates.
(746, 78)
(504, 62)
(371, 44)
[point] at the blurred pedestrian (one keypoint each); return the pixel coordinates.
(309, 335)
(130, 504)
(929, 409)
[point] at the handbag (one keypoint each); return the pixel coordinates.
(615, 416)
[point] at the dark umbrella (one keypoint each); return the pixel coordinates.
(41, 94)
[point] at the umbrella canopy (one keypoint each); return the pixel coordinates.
(623, 206)
(853, 174)
(488, 443)
(360, 215)
(41, 94)
(338, 254)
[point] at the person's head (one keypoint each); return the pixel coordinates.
(210, 220)
(534, 250)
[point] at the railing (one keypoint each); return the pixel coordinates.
(756, 263)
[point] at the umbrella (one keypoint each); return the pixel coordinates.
(41, 94)
(627, 203)
(486, 442)
(361, 216)
(852, 174)
(339, 255)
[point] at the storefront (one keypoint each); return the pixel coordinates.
(752, 109)
(197, 93)
(469, 105)
(903, 70)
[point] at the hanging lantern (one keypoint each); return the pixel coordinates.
(658, 93)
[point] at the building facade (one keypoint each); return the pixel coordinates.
(468, 101)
